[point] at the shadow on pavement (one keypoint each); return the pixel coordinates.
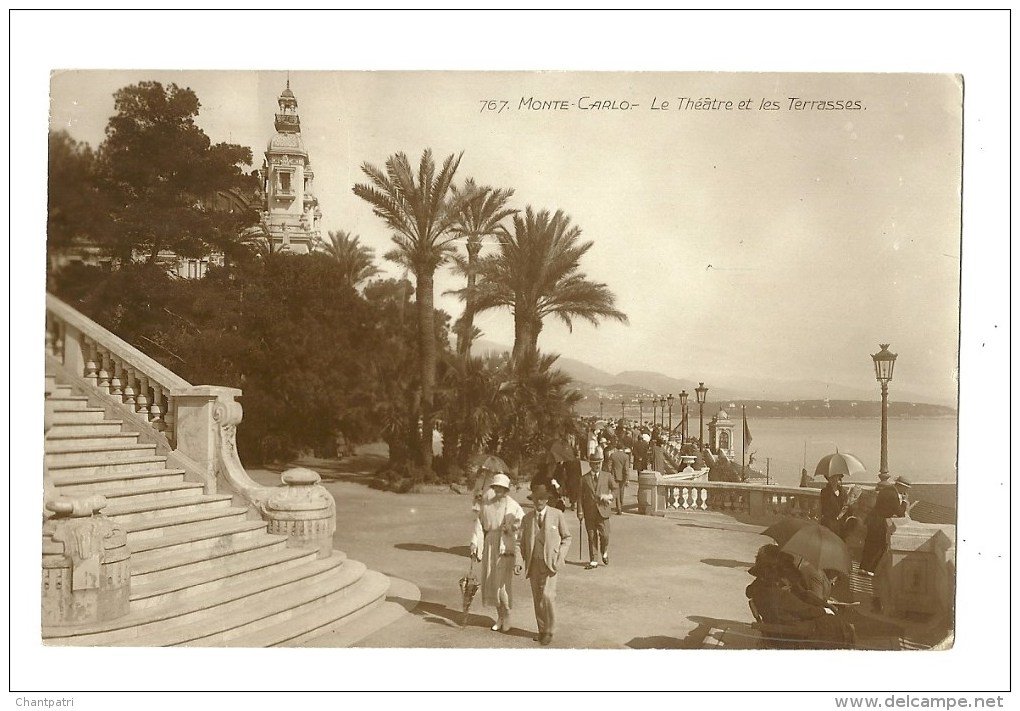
(460, 551)
(726, 563)
(439, 614)
(658, 642)
(701, 636)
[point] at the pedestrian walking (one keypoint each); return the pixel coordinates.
(597, 487)
(545, 540)
(619, 470)
(496, 544)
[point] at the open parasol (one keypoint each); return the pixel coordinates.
(468, 588)
(811, 541)
(842, 463)
(489, 462)
(558, 451)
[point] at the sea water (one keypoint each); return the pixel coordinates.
(921, 449)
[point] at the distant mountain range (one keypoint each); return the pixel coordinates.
(635, 383)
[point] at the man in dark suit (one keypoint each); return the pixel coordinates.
(545, 540)
(597, 489)
(619, 470)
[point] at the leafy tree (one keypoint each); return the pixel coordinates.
(482, 210)
(418, 210)
(160, 173)
(357, 262)
(537, 274)
(74, 202)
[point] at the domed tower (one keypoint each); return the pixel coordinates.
(291, 211)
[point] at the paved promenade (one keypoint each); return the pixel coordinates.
(673, 583)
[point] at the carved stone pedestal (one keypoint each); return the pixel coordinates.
(302, 510)
(919, 571)
(86, 576)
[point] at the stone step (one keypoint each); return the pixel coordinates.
(51, 383)
(107, 453)
(117, 492)
(114, 476)
(56, 391)
(233, 569)
(196, 560)
(182, 523)
(134, 512)
(65, 430)
(76, 443)
(75, 416)
(351, 618)
(67, 402)
(223, 536)
(242, 606)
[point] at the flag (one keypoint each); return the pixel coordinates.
(747, 430)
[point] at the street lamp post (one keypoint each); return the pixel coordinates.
(600, 410)
(641, 412)
(683, 416)
(623, 409)
(884, 363)
(701, 391)
(669, 399)
(655, 404)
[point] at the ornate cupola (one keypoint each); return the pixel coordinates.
(291, 212)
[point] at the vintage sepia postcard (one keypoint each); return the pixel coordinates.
(518, 362)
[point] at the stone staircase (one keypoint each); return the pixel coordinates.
(203, 571)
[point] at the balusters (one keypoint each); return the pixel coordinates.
(103, 376)
(129, 388)
(157, 408)
(169, 416)
(116, 384)
(58, 340)
(685, 494)
(51, 337)
(142, 401)
(91, 364)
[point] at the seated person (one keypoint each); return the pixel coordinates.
(780, 599)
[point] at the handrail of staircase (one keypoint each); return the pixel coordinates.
(193, 425)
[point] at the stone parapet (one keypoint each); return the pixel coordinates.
(86, 574)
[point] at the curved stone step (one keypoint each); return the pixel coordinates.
(224, 536)
(56, 442)
(179, 524)
(86, 471)
(195, 560)
(76, 416)
(99, 454)
(118, 493)
(102, 428)
(244, 607)
(232, 569)
(352, 618)
(131, 512)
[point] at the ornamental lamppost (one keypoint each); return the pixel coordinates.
(683, 416)
(884, 363)
(655, 404)
(623, 409)
(669, 399)
(701, 391)
(600, 409)
(641, 412)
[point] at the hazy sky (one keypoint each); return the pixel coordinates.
(758, 243)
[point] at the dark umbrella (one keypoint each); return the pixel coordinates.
(812, 542)
(841, 463)
(558, 451)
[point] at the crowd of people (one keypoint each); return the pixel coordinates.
(789, 596)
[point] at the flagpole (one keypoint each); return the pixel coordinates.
(743, 446)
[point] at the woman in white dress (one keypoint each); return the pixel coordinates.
(496, 543)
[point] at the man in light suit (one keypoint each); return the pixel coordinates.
(597, 489)
(545, 540)
(619, 469)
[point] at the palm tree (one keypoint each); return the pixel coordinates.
(537, 274)
(356, 260)
(422, 218)
(483, 210)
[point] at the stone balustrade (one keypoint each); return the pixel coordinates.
(113, 368)
(755, 501)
